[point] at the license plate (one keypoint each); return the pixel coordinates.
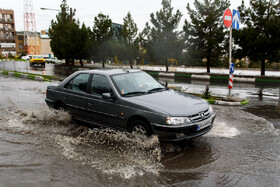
(203, 125)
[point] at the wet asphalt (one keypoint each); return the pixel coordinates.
(41, 147)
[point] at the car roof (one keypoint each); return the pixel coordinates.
(110, 71)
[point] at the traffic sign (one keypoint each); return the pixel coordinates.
(235, 19)
(231, 68)
(227, 17)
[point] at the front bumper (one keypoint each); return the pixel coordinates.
(37, 62)
(182, 132)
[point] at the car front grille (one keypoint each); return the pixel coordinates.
(200, 116)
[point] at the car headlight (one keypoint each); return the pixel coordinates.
(210, 109)
(177, 120)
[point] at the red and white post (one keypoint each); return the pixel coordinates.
(230, 83)
(227, 17)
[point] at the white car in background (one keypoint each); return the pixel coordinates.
(53, 60)
(25, 57)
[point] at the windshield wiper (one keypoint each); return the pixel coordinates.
(156, 89)
(134, 93)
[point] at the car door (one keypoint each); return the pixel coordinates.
(104, 111)
(76, 96)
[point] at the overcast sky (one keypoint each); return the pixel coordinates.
(86, 10)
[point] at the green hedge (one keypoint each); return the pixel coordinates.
(184, 75)
(217, 77)
(153, 73)
(262, 80)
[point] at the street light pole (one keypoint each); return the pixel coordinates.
(49, 9)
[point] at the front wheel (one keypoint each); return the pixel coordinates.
(140, 128)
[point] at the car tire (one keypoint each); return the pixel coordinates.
(43, 65)
(140, 127)
(31, 64)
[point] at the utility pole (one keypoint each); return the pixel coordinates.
(31, 39)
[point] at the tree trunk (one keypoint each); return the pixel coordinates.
(103, 63)
(166, 64)
(67, 61)
(263, 68)
(208, 63)
(130, 62)
(72, 63)
(81, 62)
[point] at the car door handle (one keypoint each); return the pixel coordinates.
(65, 98)
(90, 104)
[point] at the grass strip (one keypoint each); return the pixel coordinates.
(211, 101)
(48, 77)
(245, 102)
(17, 74)
(5, 72)
(31, 77)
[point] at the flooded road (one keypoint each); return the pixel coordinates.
(42, 147)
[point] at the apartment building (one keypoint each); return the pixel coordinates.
(7, 32)
(20, 42)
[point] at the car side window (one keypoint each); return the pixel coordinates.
(100, 85)
(79, 83)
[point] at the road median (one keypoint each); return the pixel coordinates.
(27, 75)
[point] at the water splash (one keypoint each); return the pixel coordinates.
(110, 151)
(113, 152)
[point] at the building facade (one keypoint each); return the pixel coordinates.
(20, 42)
(45, 43)
(7, 32)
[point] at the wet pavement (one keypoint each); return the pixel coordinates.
(23, 66)
(42, 147)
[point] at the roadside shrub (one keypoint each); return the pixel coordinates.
(10, 55)
(253, 64)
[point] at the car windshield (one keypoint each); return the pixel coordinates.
(136, 83)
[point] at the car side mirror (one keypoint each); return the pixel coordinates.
(108, 96)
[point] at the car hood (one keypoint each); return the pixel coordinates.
(171, 102)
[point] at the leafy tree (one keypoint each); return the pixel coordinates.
(205, 33)
(162, 39)
(102, 38)
(82, 42)
(68, 39)
(60, 33)
(129, 34)
(260, 39)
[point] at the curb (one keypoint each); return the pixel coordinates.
(23, 75)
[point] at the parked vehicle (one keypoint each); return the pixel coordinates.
(37, 60)
(131, 100)
(25, 57)
(53, 60)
